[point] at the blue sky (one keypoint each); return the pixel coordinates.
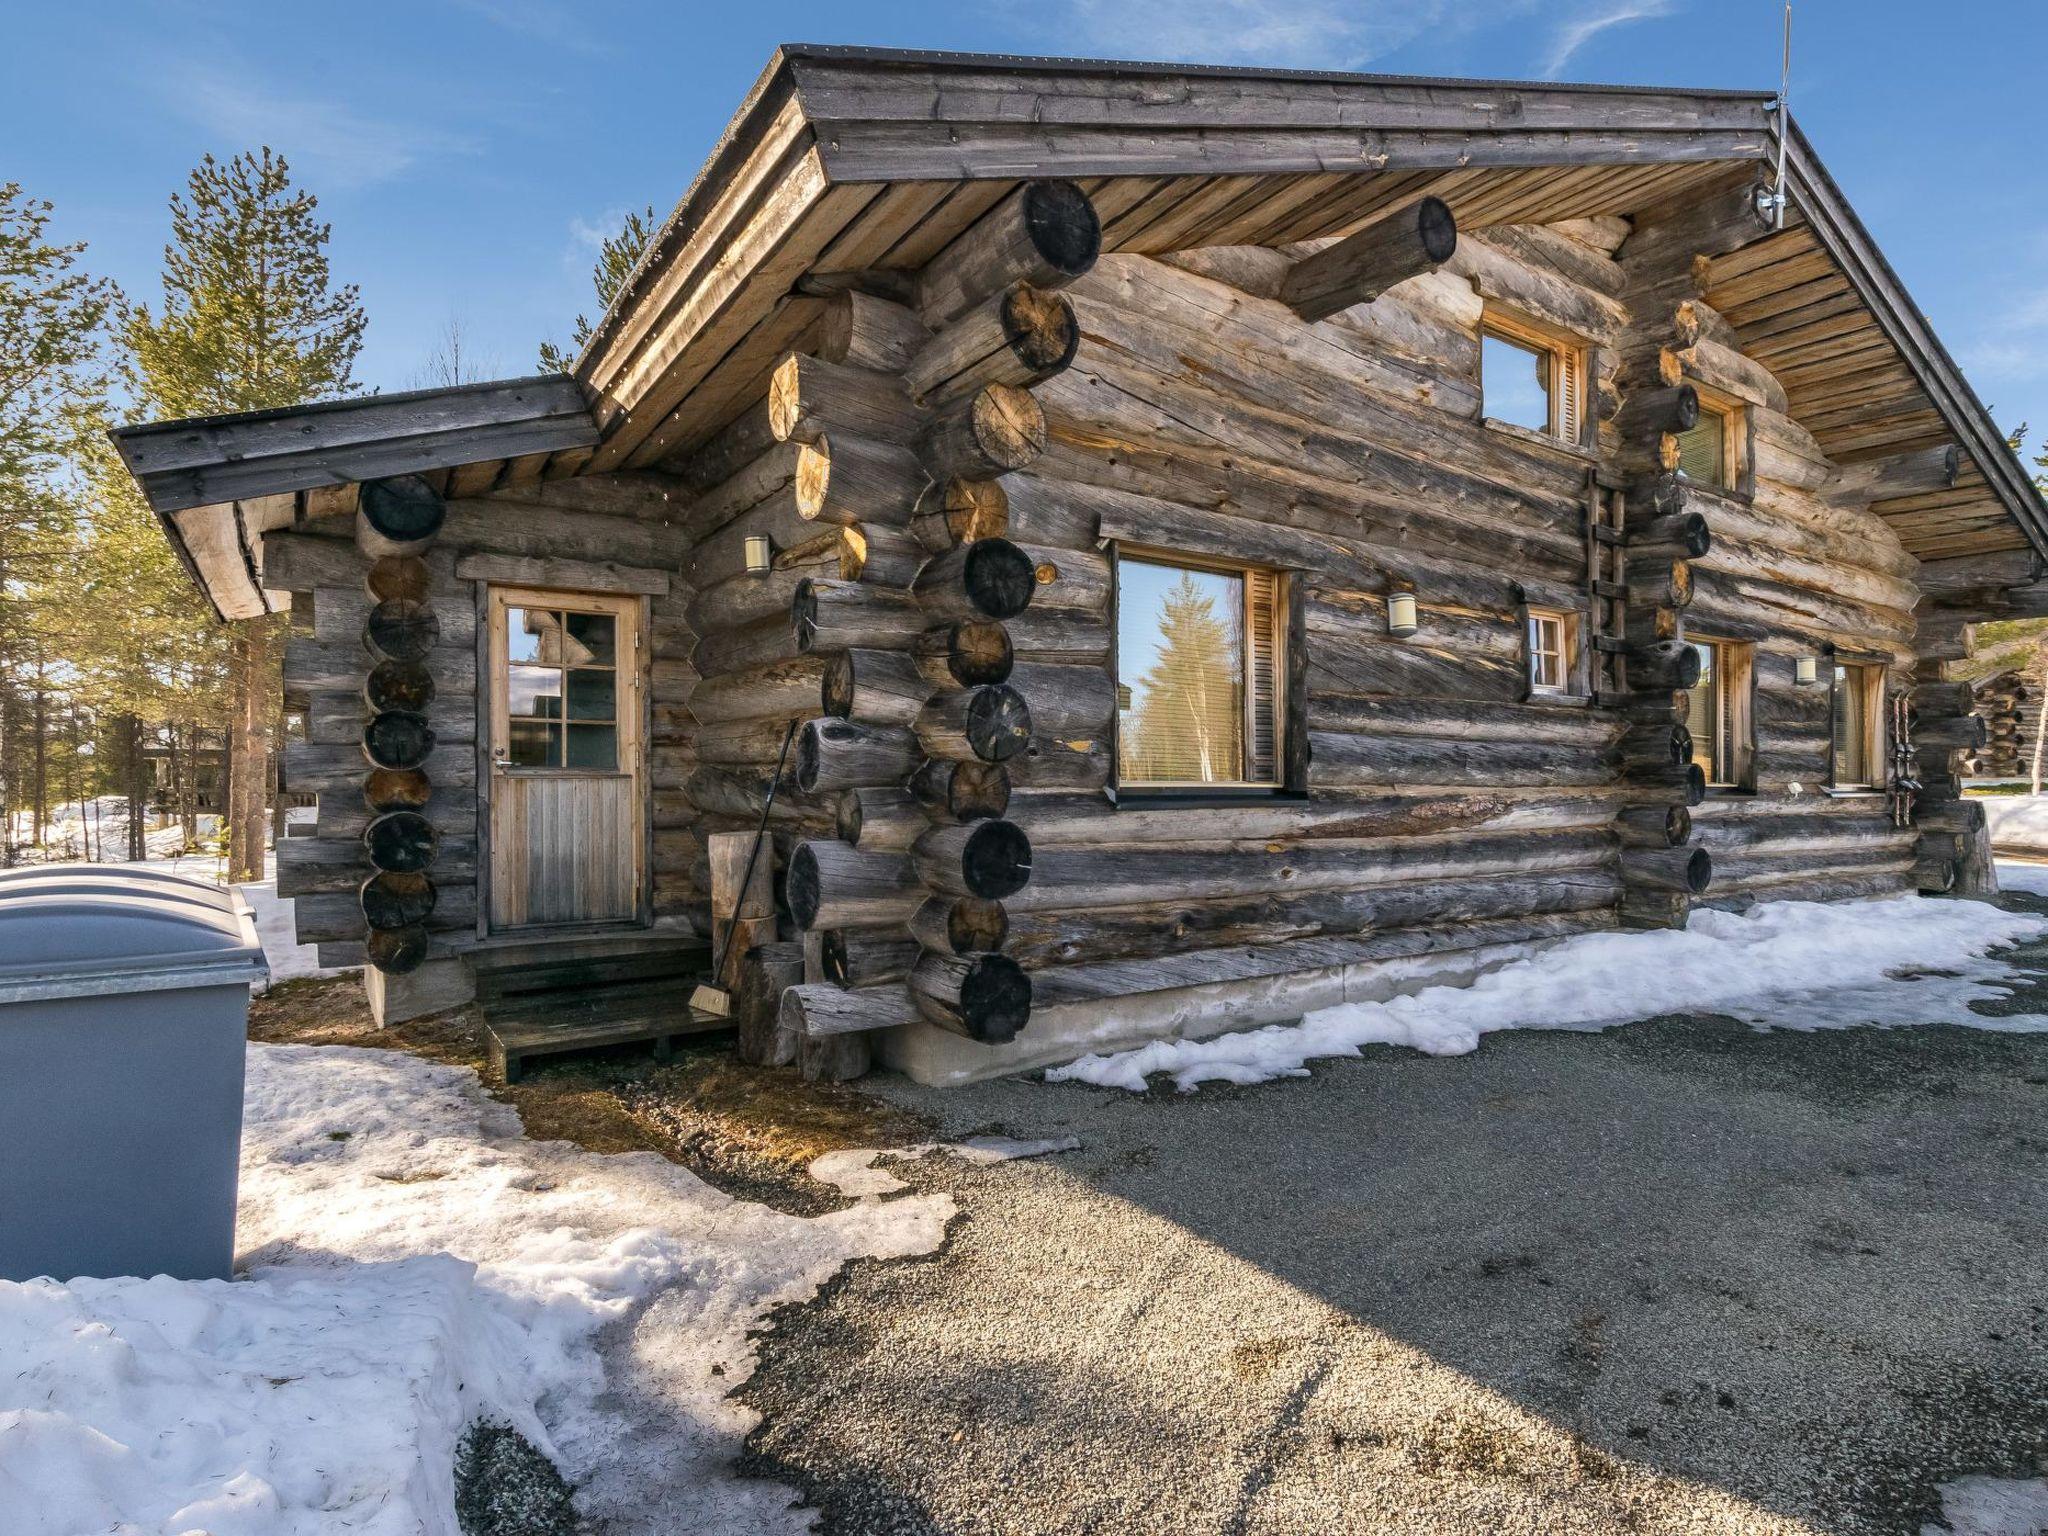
(471, 152)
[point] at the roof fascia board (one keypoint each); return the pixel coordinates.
(1842, 235)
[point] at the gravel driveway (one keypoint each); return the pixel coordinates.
(1677, 1277)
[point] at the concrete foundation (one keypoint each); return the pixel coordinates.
(1061, 1032)
(435, 987)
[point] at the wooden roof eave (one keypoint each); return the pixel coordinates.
(1842, 235)
(218, 483)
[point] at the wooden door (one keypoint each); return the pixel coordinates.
(568, 771)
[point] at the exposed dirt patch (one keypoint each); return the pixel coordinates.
(749, 1131)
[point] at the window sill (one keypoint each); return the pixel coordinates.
(1852, 792)
(1572, 452)
(1200, 799)
(1543, 697)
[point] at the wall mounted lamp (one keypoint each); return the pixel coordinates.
(760, 554)
(1401, 615)
(1806, 670)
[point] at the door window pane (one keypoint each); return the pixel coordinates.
(594, 746)
(522, 641)
(1852, 754)
(534, 692)
(592, 695)
(591, 640)
(1514, 382)
(534, 744)
(1180, 643)
(1703, 716)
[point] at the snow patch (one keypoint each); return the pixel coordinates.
(1991, 1506)
(414, 1266)
(1788, 964)
(2017, 823)
(855, 1173)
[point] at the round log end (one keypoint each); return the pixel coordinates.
(395, 789)
(803, 615)
(1009, 425)
(835, 692)
(1438, 227)
(397, 738)
(1677, 826)
(391, 901)
(998, 723)
(1699, 871)
(403, 509)
(400, 630)
(999, 577)
(398, 576)
(1695, 784)
(1685, 409)
(978, 791)
(974, 509)
(395, 951)
(1041, 328)
(995, 860)
(995, 998)
(1694, 536)
(1063, 226)
(406, 685)
(804, 887)
(976, 926)
(1681, 746)
(401, 842)
(813, 477)
(980, 652)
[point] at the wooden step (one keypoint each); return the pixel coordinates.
(551, 1023)
(683, 956)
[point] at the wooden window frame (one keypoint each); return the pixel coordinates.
(1737, 477)
(1285, 688)
(1570, 361)
(1577, 684)
(628, 615)
(1871, 678)
(1734, 704)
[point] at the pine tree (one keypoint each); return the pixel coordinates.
(51, 380)
(1190, 724)
(250, 319)
(616, 258)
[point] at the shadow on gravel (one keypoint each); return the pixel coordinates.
(1799, 1275)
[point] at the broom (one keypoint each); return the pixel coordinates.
(710, 997)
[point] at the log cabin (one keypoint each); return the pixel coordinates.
(1156, 549)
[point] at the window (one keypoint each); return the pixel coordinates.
(1201, 663)
(1858, 760)
(1712, 453)
(1531, 380)
(1553, 650)
(561, 689)
(1718, 714)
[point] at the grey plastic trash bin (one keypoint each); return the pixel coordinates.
(124, 1002)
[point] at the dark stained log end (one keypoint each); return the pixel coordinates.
(1064, 228)
(404, 685)
(404, 577)
(999, 577)
(1437, 227)
(395, 789)
(804, 886)
(995, 998)
(397, 738)
(998, 723)
(1686, 532)
(391, 900)
(1366, 263)
(400, 630)
(396, 951)
(1663, 664)
(402, 842)
(1695, 784)
(403, 509)
(803, 615)
(995, 860)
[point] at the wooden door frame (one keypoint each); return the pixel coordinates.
(490, 695)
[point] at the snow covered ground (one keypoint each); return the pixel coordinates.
(2017, 823)
(1898, 960)
(415, 1265)
(99, 826)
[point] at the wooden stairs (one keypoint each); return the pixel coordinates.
(578, 997)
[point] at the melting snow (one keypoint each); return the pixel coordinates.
(855, 1172)
(415, 1265)
(1792, 964)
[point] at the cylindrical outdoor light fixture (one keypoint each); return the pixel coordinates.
(760, 554)
(1401, 615)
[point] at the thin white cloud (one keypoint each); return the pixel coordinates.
(2015, 350)
(1296, 34)
(546, 21)
(1575, 33)
(326, 140)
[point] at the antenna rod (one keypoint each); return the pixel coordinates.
(1779, 197)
